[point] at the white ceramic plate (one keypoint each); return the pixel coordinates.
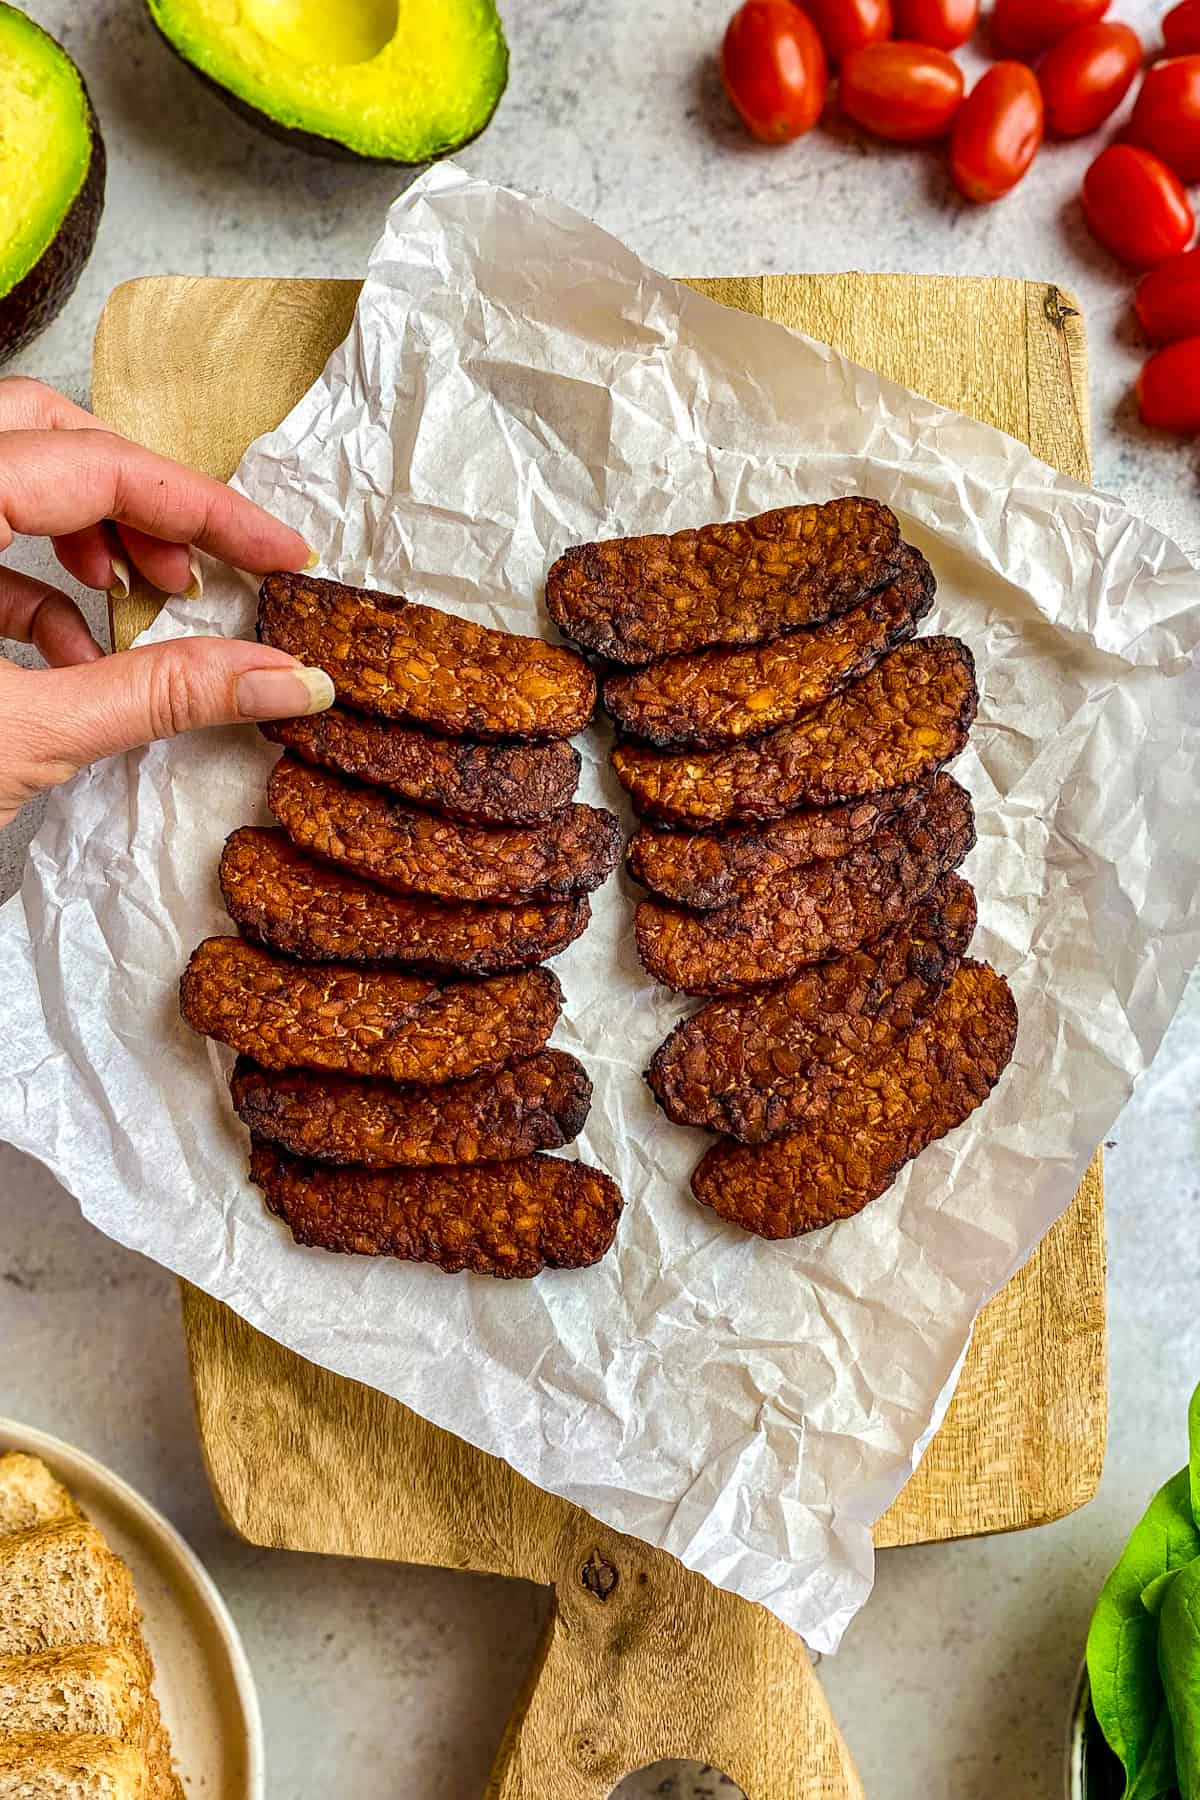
(203, 1680)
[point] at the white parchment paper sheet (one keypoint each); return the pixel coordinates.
(516, 381)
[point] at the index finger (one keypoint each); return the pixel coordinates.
(29, 405)
(53, 482)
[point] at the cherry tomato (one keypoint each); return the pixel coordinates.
(1136, 206)
(997, 132)
(1087, 75)
(1181, 28)
(1167, 300)
(1168, 387)
(773, 68)
(846, 25)
(945, 24)
(1166, 115)
(906, 92)
(1025, 27)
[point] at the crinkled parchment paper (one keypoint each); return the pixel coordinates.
(516, 381)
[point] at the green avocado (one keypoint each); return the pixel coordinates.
(51, 179)
(396, 81)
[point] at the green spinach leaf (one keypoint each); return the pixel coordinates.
(1179, 1665)
(1154, 1595)
(1122, 1653)
(1156, 1779)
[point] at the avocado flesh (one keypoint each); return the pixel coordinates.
(51, 179)
(390, 80)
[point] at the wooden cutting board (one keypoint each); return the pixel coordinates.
(642, 1659)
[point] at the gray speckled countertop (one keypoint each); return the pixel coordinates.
(384, 1682)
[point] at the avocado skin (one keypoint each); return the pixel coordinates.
(40, 296)
(332, 149)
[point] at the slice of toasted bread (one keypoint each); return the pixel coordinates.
(30, 1495)
(92, 1689)
(71, 1767)
(72, 1655)
(164, 1782)
(61, 1585)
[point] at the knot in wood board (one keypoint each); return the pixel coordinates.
(598, 1576)
(1058, 307)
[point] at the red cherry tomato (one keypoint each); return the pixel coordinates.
(1025, 27)
(1181, 28)
(906, 92)
(997, 132)
(773, 68)
(1136, 206)
(846, 25)
(945, 24)
(1168, 387)
(1087, 75)
(1166, 115)
(1167, 300)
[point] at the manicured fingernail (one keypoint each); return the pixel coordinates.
(283, 693)
(118, 587)
(314, 557)
(195, 587)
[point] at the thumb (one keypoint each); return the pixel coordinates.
(158, 690)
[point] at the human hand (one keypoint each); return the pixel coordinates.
(106, 503)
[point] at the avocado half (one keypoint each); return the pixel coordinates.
(397, 81)
(51, 179)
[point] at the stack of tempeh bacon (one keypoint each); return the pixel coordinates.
(385, 996)
(784, 733)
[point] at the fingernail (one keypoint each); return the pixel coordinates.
(195, 587)
(118, 587)
(314, 557)
(283, 693)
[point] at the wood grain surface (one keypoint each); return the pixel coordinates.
(642, 1659)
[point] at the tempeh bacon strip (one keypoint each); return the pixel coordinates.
(841, 1158)
(723, 696)
(635, 599)
(304, 908)
(810, 913)
(480, 784)
(509, 1219)
(287, 1015)
(897, 725)
(389, 656)
(535, 1103)
(703, 869)
(376, 837)
(756, 1065)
